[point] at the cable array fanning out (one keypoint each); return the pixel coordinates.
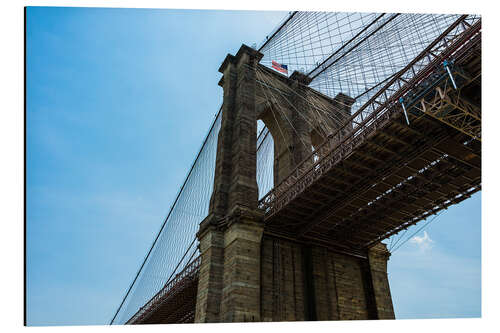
(353, 54)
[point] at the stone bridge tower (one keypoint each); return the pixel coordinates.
(246, 272)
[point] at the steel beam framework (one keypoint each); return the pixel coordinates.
(379, 130)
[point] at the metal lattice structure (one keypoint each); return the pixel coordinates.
(388, 64)
(365, 158)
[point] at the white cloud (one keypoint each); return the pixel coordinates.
(424, 242)
(425, 282)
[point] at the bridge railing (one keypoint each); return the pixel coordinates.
(382, 105)
(189, 272)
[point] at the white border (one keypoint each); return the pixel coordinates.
(11, 175)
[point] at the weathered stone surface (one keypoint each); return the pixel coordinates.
(229, 284)
(339, 283)
(247, 275)
(211, 273)
(282, 284)
(241, 289)
(378, 256)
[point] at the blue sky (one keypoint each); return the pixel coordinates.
(118, 103)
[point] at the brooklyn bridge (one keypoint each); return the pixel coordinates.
(373, 126)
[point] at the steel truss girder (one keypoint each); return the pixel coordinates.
(385, 107)
(448, 107)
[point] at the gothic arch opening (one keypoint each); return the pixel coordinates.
(282, 138)
(265, 159)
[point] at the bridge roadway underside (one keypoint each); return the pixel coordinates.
(394, 177)
(175, 308)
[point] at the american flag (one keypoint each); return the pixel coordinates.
(279, 67)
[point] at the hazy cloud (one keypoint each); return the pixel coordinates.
(424, 242)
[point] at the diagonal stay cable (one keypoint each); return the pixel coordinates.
(416, 232)
(314, 75)
(180, 261)
(166, 219)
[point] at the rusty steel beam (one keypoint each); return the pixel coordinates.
(369, 179)
(290, 182)
(443, 205)
(398, 198)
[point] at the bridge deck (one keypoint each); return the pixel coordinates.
(175, 302)
(386, 179)
(350, 205)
